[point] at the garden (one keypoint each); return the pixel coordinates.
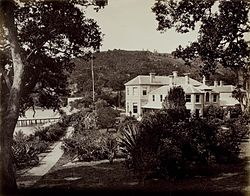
(167, 150)
(186, 154)
(27, 148)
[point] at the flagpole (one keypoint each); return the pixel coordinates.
(93, 76)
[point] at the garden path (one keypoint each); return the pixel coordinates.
(30, 177)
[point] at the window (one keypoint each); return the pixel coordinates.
(188, 98)
(144, 92)
(161, 98)
(215, 98)
(153, 97)
(135, 91)
(197, 98)
(207, 97)
(135, 108)
(127, 107)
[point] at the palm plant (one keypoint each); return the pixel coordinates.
(127, 139)
(127, 142)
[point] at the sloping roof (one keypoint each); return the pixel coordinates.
(205, 87)
(188, 89)
(230, 101)
(224, 88)
(142, 79)
(161, 90)
(180, 80)
(162, 80)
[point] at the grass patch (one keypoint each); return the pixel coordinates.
(231, 178)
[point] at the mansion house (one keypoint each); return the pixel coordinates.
(147, 92)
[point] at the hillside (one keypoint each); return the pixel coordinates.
(116, 67)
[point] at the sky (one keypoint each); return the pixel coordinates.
(131, 25)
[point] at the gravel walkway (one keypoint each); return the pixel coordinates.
(30, 177)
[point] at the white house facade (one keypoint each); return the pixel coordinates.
(147, 92)
(225, 91)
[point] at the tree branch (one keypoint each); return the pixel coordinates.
(39, 46)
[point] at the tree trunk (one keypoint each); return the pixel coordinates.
(247, 86)
(11, 113)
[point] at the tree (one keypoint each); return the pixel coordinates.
(222, 26)
(38, 39)
(175, 104)
(175, 99)
(106, 117)
(240, 95)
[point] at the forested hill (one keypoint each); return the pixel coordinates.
(114, 68)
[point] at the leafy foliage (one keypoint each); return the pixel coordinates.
(106, 117)
(241, 96)
(212, 112)
(26, 150)
(235, 111)
(51, 133)
(175, 99)
(221, 32)
(50, 33)
(89, 145)
(127, 142)
(38, 38)
(168, 146)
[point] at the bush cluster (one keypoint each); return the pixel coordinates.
(87, 142)
(90, 145)
(168, 144)
(51, 133)
(27, 147)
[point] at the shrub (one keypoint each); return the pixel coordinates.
(228, 139)
(82, 119)
(51, 133)
(26, 149)
(106, 117)
(127, 142)
(171, 146)
(125, 121)
(235, 111)
(140, 141)
(89, 145)
(84, 102)
(213, 111)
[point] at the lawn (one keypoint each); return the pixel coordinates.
(95, 177)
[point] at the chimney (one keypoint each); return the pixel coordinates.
(204, 80)
(152, 77)
(171, 80)
(221, 83)
(187, 78)
(215, 83)
(175, 74)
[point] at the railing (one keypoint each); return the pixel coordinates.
(35, 121)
